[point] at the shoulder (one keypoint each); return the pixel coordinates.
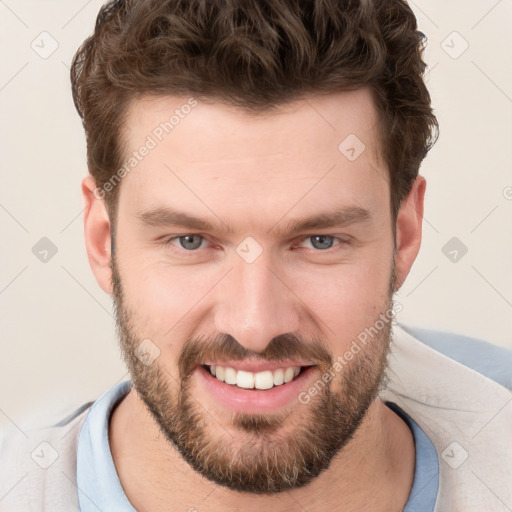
(38, 466)
(490, 360)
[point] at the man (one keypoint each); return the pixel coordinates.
(253, 203)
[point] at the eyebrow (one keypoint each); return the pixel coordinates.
(337, 218)
(170, 217)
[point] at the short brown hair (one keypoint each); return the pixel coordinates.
(255, 54)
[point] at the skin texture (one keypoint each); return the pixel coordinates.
(256, 173)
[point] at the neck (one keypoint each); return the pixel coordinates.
(374, 471)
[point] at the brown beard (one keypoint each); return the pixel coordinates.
(254, 454)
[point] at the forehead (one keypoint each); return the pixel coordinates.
(330, 117)
(218, 158)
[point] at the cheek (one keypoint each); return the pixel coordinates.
(163, 298)
(347, 298)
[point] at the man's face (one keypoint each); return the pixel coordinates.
(249, 292)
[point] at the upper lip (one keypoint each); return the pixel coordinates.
(260, 366)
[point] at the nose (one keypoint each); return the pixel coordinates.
(255, 304)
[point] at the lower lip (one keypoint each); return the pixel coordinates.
(255, 400)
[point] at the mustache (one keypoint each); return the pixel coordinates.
(225, 347)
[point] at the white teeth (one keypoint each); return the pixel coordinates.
(248, 380)
(288, 375)
(229, 376)
(264, 380)
(219, 373)
(279, 377)
(245, 379)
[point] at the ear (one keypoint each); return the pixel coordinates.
(408, 230)
(97, 233)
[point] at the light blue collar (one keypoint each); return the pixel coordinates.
(99, 488)
(423, 495)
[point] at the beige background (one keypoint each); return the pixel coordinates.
(58, 344)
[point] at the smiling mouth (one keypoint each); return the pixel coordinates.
(263, 380)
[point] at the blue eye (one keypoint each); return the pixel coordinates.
(321, 241)
(188, 242)
(325, 242)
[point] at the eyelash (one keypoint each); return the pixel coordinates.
(341, 242)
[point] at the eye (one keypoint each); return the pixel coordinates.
(324, 242)
(187, 242)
